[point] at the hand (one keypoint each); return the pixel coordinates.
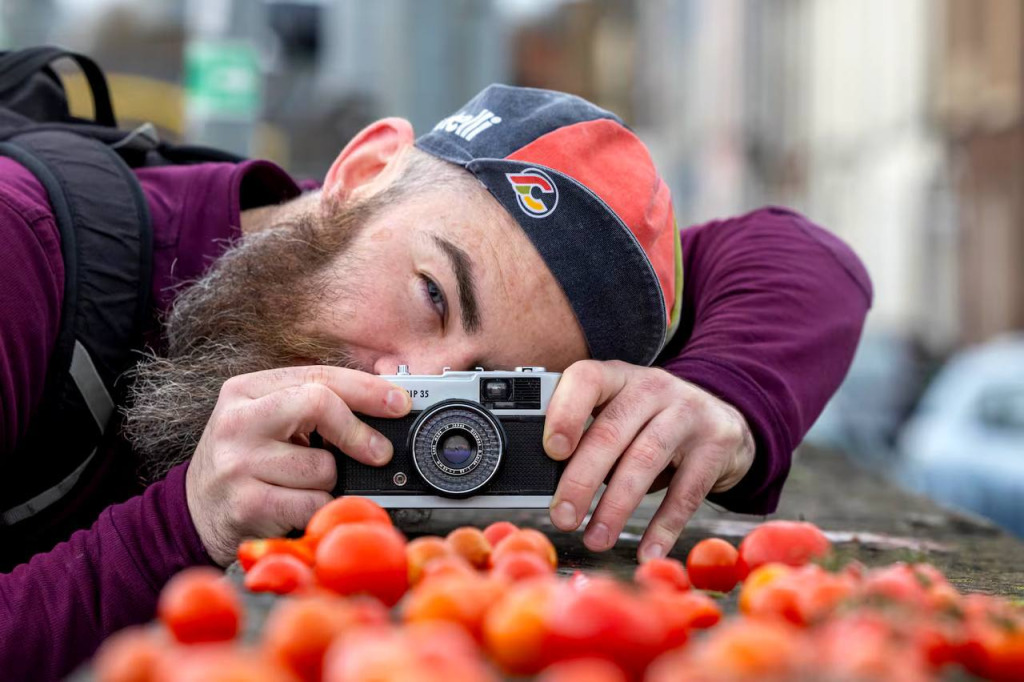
(252, 474)
(649, 426)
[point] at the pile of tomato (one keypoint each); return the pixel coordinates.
(365, 605)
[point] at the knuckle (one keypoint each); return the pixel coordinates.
(618, 506)
(575, 488)
(585, 371)
(605, 433)
(316, 374)
(650, 452)
(679, 508)
(318, 398)
(232, 387)
(230, 423)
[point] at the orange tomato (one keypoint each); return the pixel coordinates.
(368, 558)
(711, 565)
(662, 573)
(470, 543)
(515, 628)
(251, 551)
(199, 605)
(526, 540)
(757, 581)
(458, 599)
(421, 551)
(749, 649)
(278, 573)
(344, 510)
(516, 566)
(793, 543)
(498, 531)
(130, 655)
(298, 632)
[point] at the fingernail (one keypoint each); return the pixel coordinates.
(597, 535)
(397, 400)
(652, 552)
(564, 516)
(558, 446)
(381, 448)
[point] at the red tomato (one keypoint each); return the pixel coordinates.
(251, 551)
(278, 573)
(498, 531)
(711, 565)
(793, 543)
(602, 619)
(341, 511)
(364, 558)
(664, 573)
(199, 605)
(583, 670)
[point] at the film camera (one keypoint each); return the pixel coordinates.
(472, 439)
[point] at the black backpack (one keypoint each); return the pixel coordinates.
(106, 245)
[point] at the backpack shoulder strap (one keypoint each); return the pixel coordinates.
(106, 244)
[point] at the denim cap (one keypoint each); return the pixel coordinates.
(583, 187)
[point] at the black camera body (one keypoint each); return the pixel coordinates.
(472, 439)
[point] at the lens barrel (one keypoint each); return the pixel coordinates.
(457, 446)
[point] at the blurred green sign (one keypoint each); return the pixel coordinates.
(222, 80)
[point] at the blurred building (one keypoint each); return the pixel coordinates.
(978, 106)
(898, 125)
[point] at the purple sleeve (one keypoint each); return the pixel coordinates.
(773, 308)
(57, 608)
(31, 291)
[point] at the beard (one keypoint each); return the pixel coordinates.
(248, 313)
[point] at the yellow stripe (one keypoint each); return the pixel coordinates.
(533, 203)
(677, 304)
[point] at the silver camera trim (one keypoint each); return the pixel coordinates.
(463, 405)
(465, 385)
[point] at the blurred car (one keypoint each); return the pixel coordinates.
(964, 445)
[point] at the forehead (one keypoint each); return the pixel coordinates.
(523, 308)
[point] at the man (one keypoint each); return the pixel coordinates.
(530, 228)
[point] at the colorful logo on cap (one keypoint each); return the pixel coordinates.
(535, 191)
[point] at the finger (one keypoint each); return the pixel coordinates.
(647, 456)
(295, 466)
(362, 392)
(690, 485)
(309, 407)
(582, 387)
(601, 446)
(282, 510)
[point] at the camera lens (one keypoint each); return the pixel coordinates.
(496, 389)
(457, 446)
(456, 449)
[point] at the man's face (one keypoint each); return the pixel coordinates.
(446, 279)
(438, 276)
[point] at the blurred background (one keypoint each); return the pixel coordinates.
(898, 124)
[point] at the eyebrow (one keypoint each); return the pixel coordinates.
(464, 282)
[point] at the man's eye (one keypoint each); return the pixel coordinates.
(436, 296)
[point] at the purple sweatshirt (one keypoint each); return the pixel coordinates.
(772, 312)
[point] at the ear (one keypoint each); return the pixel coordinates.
(367, 159)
